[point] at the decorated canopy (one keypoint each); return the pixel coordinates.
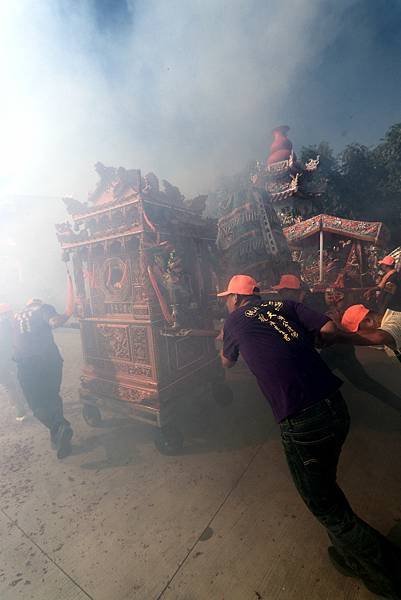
(374, 232)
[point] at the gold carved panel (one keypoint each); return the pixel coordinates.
(113, 341)
(140, 345)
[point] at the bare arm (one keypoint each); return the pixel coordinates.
(230, 348)
(378, 337)
(227, 364)
(328, 334)
(58, 320)
(370, 290)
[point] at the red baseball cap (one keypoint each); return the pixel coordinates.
(353, 317)
(388, 261)
(288, 282)
(240, 284)
(5, 308)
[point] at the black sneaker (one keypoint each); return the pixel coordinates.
(64, 441)
(378, 591)
(338, 562)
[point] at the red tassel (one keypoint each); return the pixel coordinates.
(163, 305)
(70, 303)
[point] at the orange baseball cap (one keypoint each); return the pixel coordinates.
(353, 317)
(240, 284)
(288, 282)
(388, 261)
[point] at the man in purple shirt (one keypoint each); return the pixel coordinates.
(276, 339)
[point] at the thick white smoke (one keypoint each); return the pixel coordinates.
(187, 89)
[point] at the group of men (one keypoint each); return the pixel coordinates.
(277, 339)
(31, 367)
(342, 357)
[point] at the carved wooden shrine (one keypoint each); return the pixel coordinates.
(142, 261)
(278, 192)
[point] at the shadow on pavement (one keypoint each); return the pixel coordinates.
(207, 427)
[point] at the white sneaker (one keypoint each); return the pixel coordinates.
(20, 419)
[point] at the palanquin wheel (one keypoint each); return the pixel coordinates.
(169, 440)
(222, 394)
(92, 415)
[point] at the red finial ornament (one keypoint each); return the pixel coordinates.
(281, 147)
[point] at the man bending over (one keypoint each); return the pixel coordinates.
(276, 340)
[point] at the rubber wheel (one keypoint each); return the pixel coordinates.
(92, 415)
(222, 394)
(169, 441)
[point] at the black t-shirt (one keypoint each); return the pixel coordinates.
(392, 292)
(276, 340)
(33, 333)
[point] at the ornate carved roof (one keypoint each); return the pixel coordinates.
(282, 175)
(125, 203)
(373, 232)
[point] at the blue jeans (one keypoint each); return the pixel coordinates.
(40, 380)
(312, 441)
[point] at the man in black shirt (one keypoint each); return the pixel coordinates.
(40, 369)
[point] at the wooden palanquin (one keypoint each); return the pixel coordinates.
(142, 262)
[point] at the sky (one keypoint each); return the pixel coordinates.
(189, 89)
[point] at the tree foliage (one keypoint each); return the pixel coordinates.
(362, 182)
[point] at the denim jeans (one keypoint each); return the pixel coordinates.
(312, 441)
(40, 380)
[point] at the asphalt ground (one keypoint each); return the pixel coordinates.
(116, 520)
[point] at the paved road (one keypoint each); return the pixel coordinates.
(118, 521)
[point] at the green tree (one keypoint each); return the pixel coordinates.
(327, 180)
(387, 155)
(361, 182)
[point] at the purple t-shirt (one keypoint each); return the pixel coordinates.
(276, 340)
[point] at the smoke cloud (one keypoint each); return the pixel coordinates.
(187, 89)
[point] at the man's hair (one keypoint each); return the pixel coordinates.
(255, 296)
(290, 294)
(34, 301)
